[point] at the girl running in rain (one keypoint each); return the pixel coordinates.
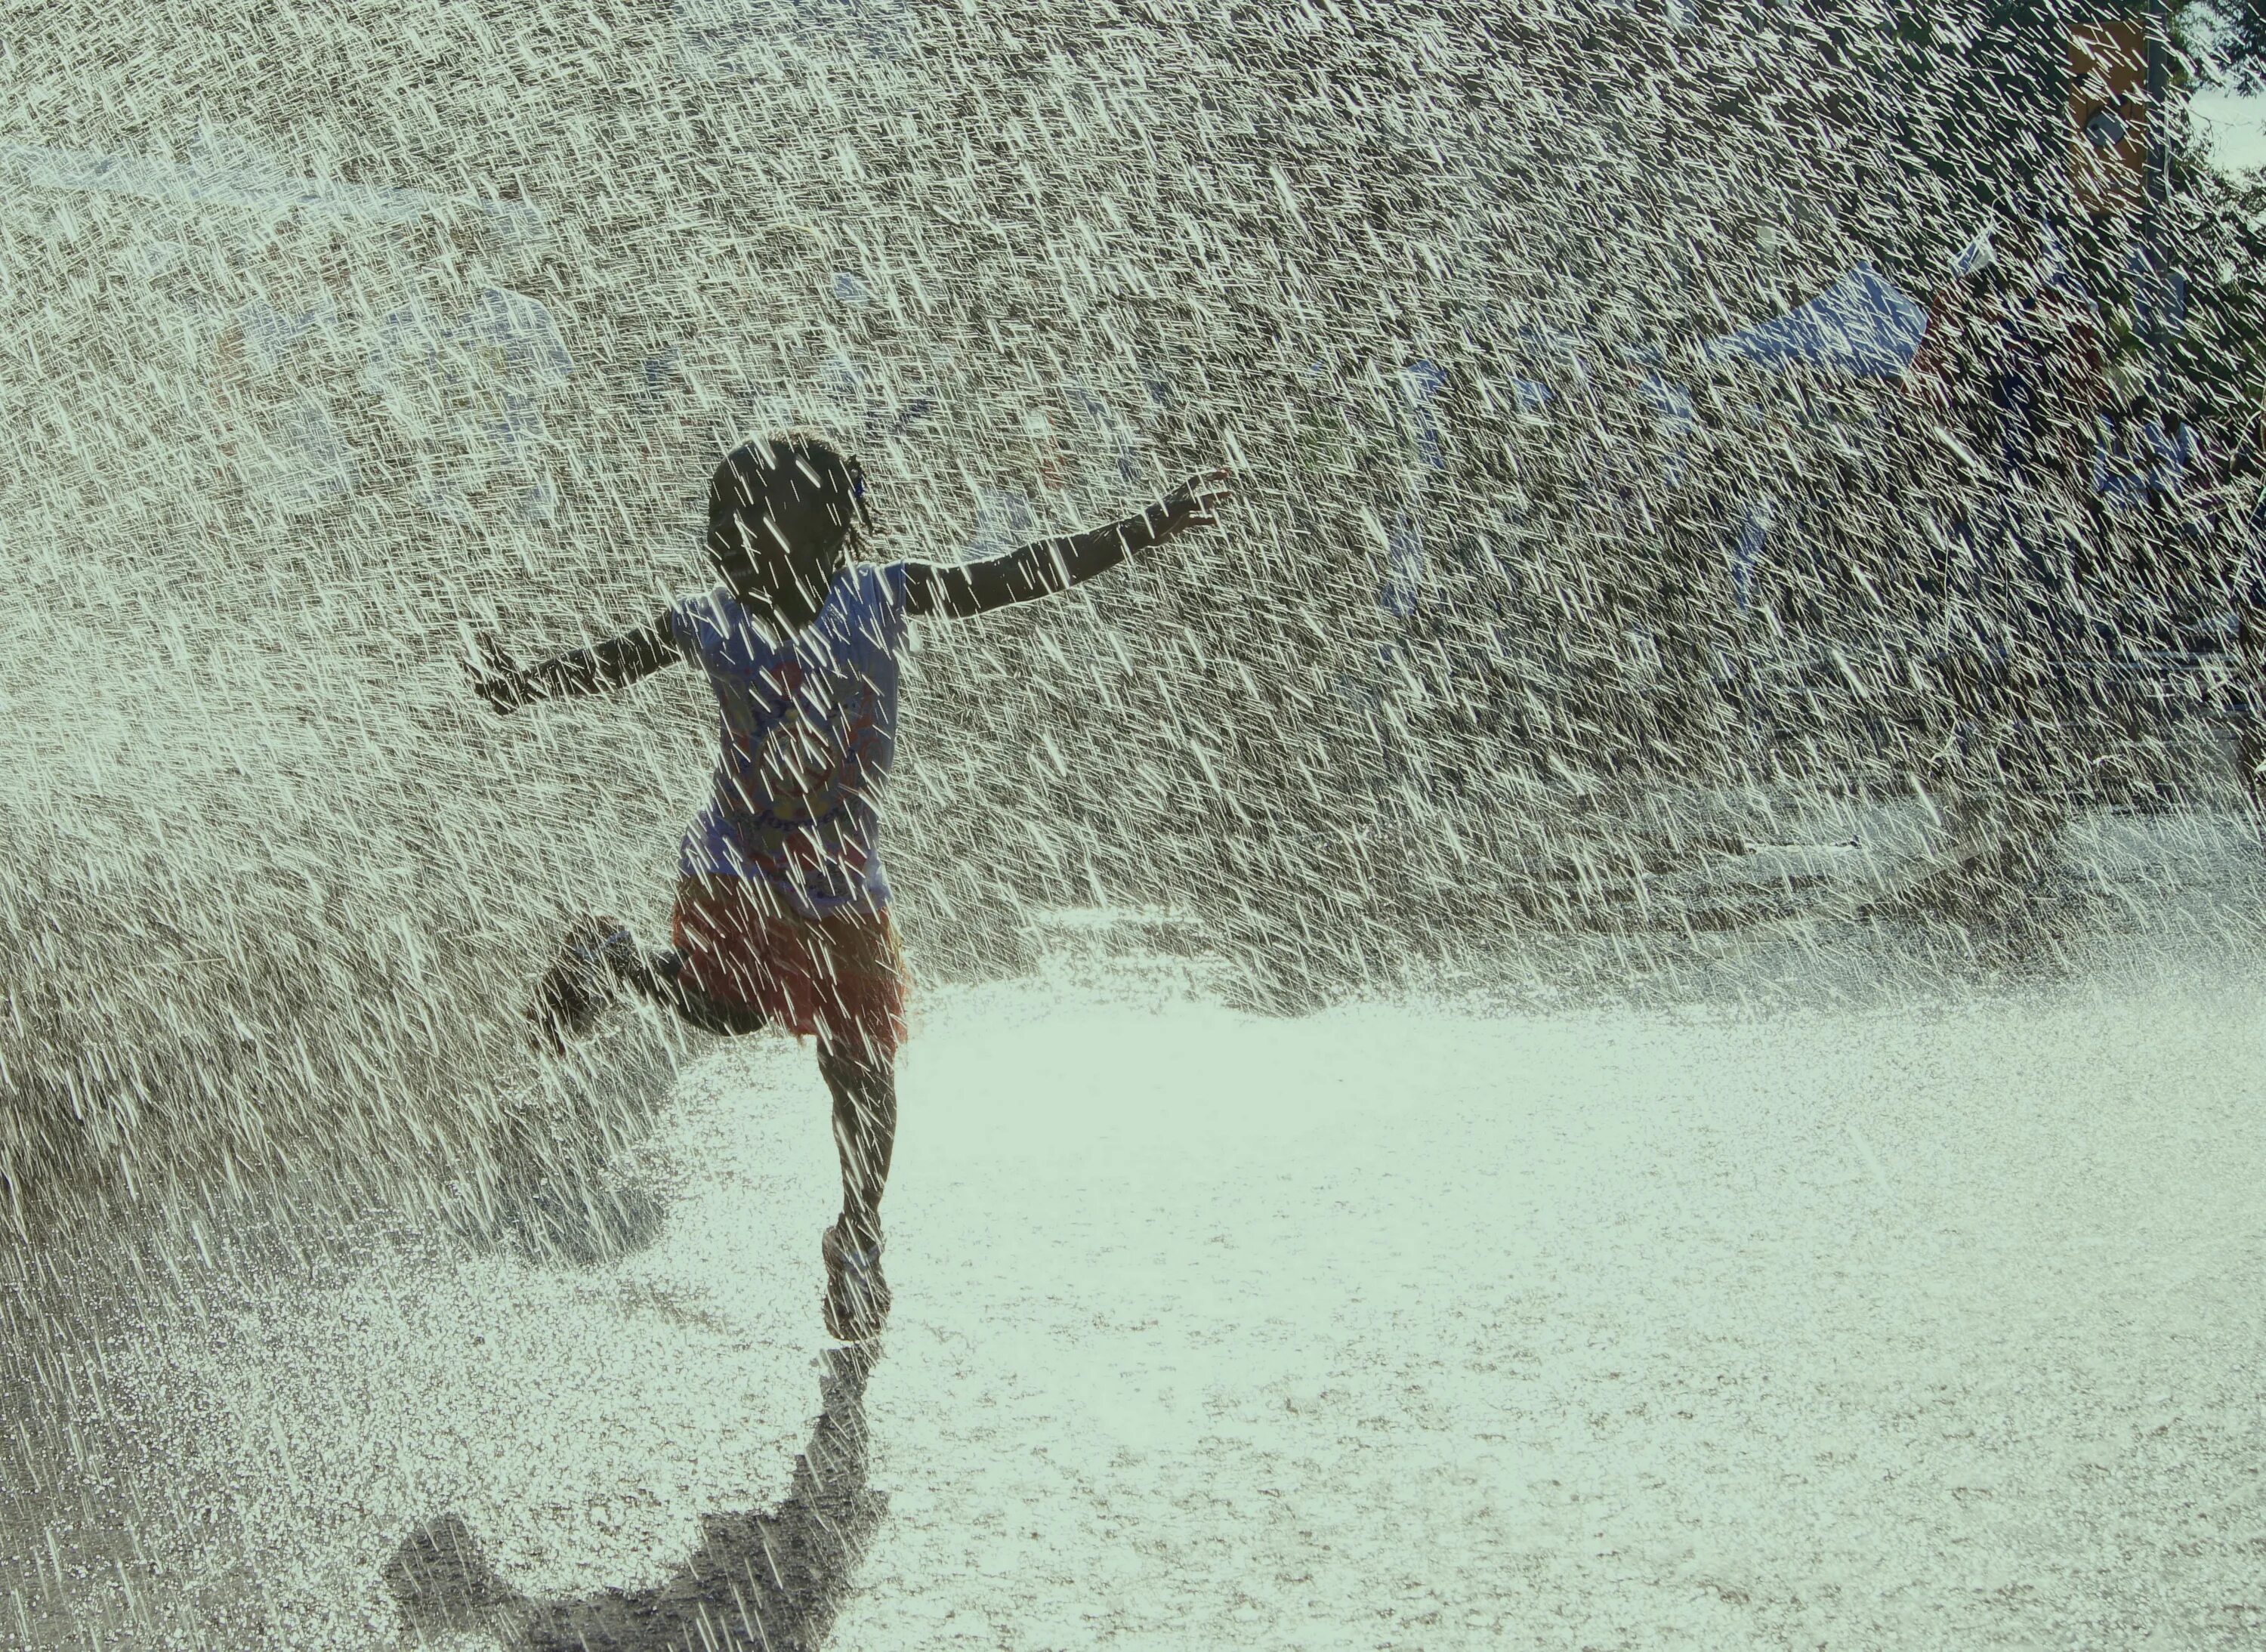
(782, 914)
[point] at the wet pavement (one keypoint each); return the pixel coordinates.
(1843, 1285)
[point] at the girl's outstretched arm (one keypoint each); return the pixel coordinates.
(961, 590)
(614, 663)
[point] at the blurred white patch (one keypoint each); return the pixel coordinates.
(301, 463)
(749, 40)
(2234, 125)
(225, 171)
(1003, 521)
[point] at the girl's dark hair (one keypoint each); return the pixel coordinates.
(793, 464)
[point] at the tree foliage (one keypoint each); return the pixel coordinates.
(2239, 38)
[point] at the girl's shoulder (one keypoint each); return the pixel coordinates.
(877, 587)
(880, 577)
(715, 622)
(714, 610)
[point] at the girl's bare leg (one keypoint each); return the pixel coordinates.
(597, 960)
(865, 1089)
(864, 1083)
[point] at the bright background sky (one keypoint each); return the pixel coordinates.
(2236, 125)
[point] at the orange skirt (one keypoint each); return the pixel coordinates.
(839, 978)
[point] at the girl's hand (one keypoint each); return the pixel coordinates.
(497, 679)
(1193, 504)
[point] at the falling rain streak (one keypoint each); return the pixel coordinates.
(1714, 740)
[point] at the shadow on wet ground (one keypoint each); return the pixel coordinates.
(772, 1580)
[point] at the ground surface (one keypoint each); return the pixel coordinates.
(1887, 1299)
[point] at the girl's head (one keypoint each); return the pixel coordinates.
(781, 512)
